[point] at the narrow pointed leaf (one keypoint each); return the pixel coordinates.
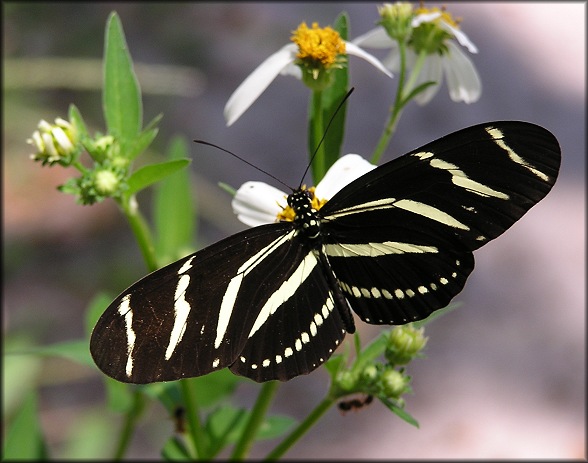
(24, 440)
(152, 173)
(121, 95)
(174, 210)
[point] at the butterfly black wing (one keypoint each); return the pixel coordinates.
(306, 328)
(257, 300)
(272, 302)
(400, 238)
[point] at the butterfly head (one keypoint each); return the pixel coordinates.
(305, 215)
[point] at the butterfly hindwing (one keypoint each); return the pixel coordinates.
(304, 330)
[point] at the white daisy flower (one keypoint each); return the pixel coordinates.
(313, 54)
(257, 203)
(433, 31)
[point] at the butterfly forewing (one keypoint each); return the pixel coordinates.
(475, 182)
(395, 245)
(193, 316)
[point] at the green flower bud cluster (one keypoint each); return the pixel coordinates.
(63, 143)
(387, 379)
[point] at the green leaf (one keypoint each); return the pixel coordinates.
(152, 173)
(371, 352)
(226, 424)
(228, 188)
(215, 386)
(76, 351)
(436, 314)
(92, 435)
(20, 371)
(275, 426)
(334, 364)
(24, 440)
(120, 397)
(174, 210)
(415, 91)
(75, 117)
(144, 139)
(121, 96)
(175, 450)
(332, 97)
(400, 412)
(95, 309)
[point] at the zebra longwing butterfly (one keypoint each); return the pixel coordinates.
(275, 301)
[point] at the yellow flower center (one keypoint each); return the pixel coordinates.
(318, 45)
(288, 214)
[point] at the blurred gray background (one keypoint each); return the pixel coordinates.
(504, 375)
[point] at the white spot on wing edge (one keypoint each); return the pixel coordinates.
(187, 266)
(124, 309)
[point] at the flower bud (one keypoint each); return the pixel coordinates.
(404, 343)
(106, 182)
(394, 383)
(370, 374)
(55, 143)
(397, 19)
(347, 381)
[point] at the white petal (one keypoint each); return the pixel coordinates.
(462, 78)
(257, 203)
(432, 71)
(375, 38)
(292, 70)
(352, 49)
(424, 18)
(258, 81)
(61, 138)
(392, 59)
(346, 169)
(460, 36)
(49, 146)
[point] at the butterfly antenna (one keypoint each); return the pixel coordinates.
(326, 130)
(202, 142)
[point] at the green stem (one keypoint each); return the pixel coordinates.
(256, 419)
(302, 428)
(197, 434)
(128, 429)
(78, 165)
(317, 131)
(395, 110)
(141, 231)
(416, 70)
